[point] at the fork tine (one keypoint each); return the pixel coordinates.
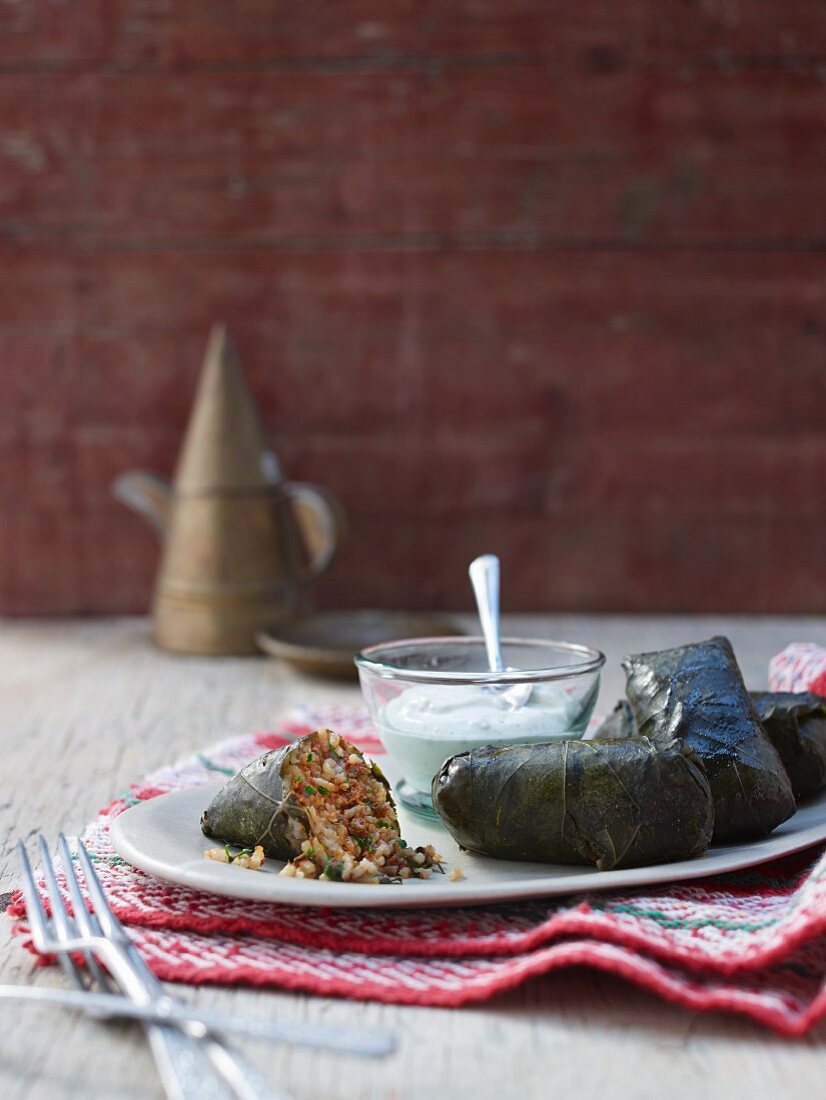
(109, 923)
(61, 928)
(60, 918)
(83, 921)
(81, 913)
(34, 906)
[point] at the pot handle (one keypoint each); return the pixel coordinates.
(322, 523)
(148, 495)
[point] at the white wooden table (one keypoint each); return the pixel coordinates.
(86, 707)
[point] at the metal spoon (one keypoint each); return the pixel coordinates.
(484, 577)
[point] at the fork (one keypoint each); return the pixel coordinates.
(349, 1040)
(114, 1006)
(185, 1070)
(189, 1068)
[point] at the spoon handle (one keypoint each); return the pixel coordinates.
(484, 576)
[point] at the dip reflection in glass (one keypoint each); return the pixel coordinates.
(430, 698)
(425, 724)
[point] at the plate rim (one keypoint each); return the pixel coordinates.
(423, 895)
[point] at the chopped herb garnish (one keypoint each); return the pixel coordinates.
(323, 790)
(308, 790)
(309, 757)
(333, 752)
(381, 824)
(360, 840)
(310, 853)
(333, 870)
(238, 854)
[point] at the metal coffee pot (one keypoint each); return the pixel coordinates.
(241, 545)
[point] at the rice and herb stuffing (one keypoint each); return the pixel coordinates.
(320, 805)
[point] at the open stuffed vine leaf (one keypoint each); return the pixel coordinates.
(604, 803)
(319, 804)
(796, 725)
(696, 693)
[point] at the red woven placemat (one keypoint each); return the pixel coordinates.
(751, 942)
(801, 666)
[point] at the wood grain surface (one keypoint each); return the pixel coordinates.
(541, 278)
(88, 707)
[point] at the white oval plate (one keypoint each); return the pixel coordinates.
(162, 836)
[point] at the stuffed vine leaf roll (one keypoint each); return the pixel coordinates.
(320, 805)
(696, 693)
(606, 803)
(796, 726)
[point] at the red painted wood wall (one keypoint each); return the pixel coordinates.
(539, 277)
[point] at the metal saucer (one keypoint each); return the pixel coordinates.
(325, 643)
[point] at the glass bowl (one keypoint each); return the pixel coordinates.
(430, 698)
